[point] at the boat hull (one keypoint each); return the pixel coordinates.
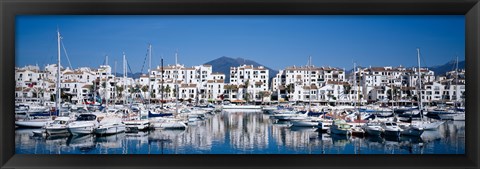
(373, 132)
(305, 124)
(169, 125)
(81, 130)
(392, 132)
(137, 125)
(411, 131)
(110, 130)
(57, 131)
(31, 123)
(339, 132)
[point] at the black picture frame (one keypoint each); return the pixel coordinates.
(11, 8)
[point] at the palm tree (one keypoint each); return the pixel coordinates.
(264, 94)
(228, 88)
(246, 95)
(167, 89)
(346, 88)
(119, 91)
(290, 88)
(144, 90)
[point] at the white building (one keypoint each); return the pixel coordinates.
(253, 79)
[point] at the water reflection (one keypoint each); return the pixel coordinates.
(244, 133)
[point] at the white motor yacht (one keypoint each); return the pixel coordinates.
(391, 128)
(373, 129)
(58, 126)
(84, 124)
(110, 125)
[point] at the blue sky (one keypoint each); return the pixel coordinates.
(275, 41)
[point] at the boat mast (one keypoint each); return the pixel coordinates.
(124, 78)
(176, 84)
(115, 82)
(161, 97)
(355, 90)
(355, 83)
(419, 85)
(105, 88)
(57, 103)
(310, 83)
(149, 69)
(456, 84)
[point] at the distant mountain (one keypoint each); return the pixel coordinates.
(442, 69)
(224, 63)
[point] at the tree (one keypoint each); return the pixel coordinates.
(246, 95)
(290, 89)
(167, 89)
(119, 91)
(346, 88)
(144, 88)
(228, 89)
(263, 94)
(389, 94)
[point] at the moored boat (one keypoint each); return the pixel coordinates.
(373, 129)
(340, 127)
(30, 122)
(391, 129)
(84, 124)
(110, 125)
(58, 126)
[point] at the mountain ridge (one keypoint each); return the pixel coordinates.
(223, 64)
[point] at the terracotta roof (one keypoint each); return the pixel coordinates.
(188, 86)
(87, 86)
(258, 83)
(215, 81)
(314, 87)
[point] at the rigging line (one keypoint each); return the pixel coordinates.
(66, 54)
(144, 61)
(129, 68)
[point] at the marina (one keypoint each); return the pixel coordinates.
(243, 133)
(237, 106)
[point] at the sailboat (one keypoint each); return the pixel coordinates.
(162, 111)
(32, 122)
(357, 129)
(171, 123)
(422, 125)
(302, 119)
(453, 113)
(139, 123)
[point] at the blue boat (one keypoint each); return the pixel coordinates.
(150, 114)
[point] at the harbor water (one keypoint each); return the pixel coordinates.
(243, 133)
